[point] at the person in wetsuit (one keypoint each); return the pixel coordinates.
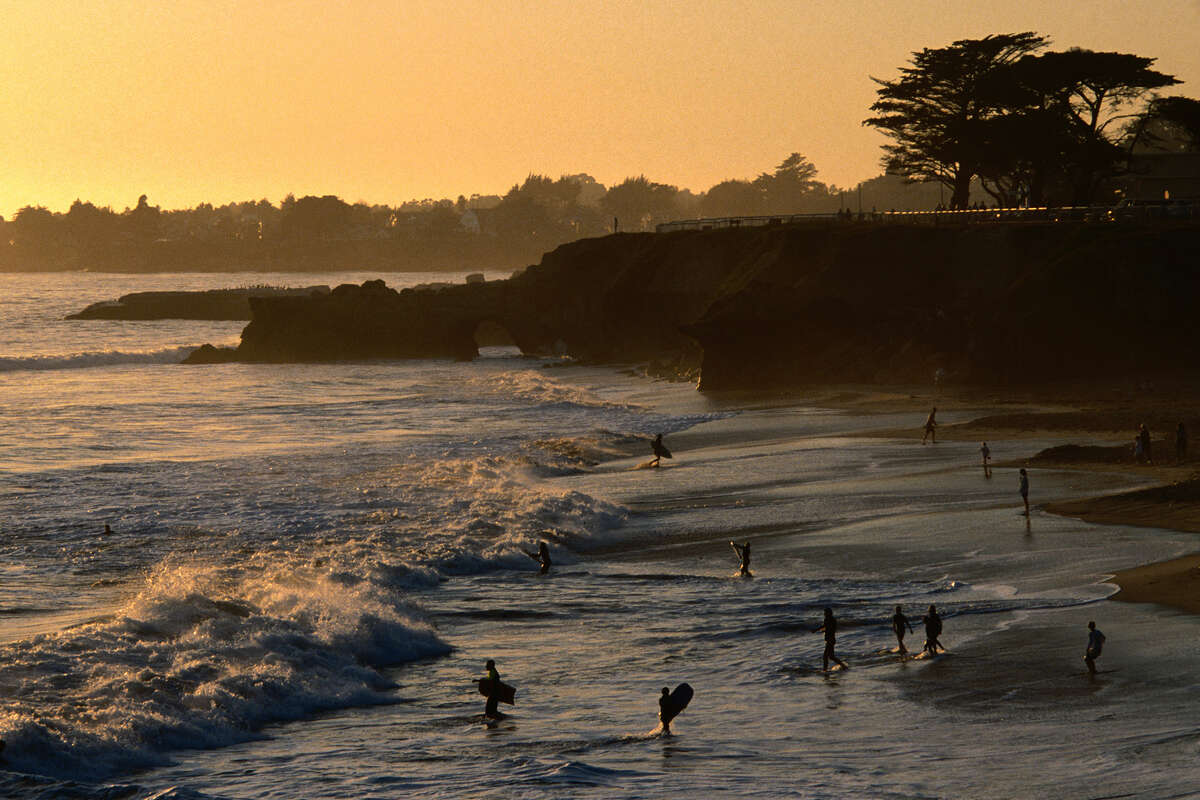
(660, 450)
(493, 699)
(899, 623)
(542, 557)
(930, 425)
(933, 629)
(1095, 645)
(664, 705)
(1023, 486)
(743, 552)
(830, 628)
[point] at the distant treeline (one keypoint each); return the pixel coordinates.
(480, 232)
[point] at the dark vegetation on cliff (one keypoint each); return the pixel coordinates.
(794, 305)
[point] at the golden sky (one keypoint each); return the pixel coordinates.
(386, 100)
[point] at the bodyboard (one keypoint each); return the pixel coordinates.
(507, 694)
(679, 700)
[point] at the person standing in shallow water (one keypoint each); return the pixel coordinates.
(1094, 646)
(492, 709)
(933, 629)
(829, 626)
(1023, 485)
(743, 552)
(930, 425)
(899, 623)
(664, 707)
(1144, 438)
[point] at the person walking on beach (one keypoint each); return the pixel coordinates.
(1144, 437)
(933, 629)
(1024, 487)
(1094, 646)
(830, 628)
(1180, 443)
(985, 453)
(899, 623)
(930, 424)
(492, 709)
(743, 552)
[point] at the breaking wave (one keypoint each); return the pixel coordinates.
(106, 358)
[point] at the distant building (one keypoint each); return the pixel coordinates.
(1163, 176)
(469, 221)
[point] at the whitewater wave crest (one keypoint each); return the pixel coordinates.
(101, 358)
(202, 657)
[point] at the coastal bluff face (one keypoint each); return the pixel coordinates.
(792, 305)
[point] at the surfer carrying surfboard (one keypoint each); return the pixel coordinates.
(743, 552)
(660, 450)
(670, 704)
(493, 698)
(930, 425)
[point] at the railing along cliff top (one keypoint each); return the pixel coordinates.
(1046, 214)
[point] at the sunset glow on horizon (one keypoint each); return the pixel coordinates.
(384, 102)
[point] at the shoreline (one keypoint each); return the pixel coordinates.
(1104, 420)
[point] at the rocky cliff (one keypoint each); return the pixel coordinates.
(769, 307)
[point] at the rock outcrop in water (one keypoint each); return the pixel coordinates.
(214, 304)
(771, 307)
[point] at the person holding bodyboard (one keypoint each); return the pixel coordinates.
(660, 450)
(496, 691)
(670, 704)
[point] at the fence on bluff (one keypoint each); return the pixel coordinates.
(1165, 210)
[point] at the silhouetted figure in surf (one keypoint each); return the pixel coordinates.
(930, 425)
(1023, 486)
(830, 628)
(899, 623)
(664, 710)
(1095, 645)
(1144, 438)
(492, 709)
(743, 552)
(933, 629)
(985, 453)
(542, 557)
(660, 450)
(107, 530)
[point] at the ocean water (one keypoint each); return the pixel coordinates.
(309, 565)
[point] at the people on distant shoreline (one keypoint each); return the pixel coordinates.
(743, 553)
(1144, 438)
(899, 623)
(930, 425)
(933, 629)
(829, 626)
(1023, 485)
(985, 453)
(1094, 646)
(1180, 443)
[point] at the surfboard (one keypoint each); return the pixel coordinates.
(507, 694)
(678, 702)
(665, 452)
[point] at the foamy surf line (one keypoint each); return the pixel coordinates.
(106, 358)
(202, 658)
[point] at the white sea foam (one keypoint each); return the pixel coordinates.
(202, 657)
(105, 358)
